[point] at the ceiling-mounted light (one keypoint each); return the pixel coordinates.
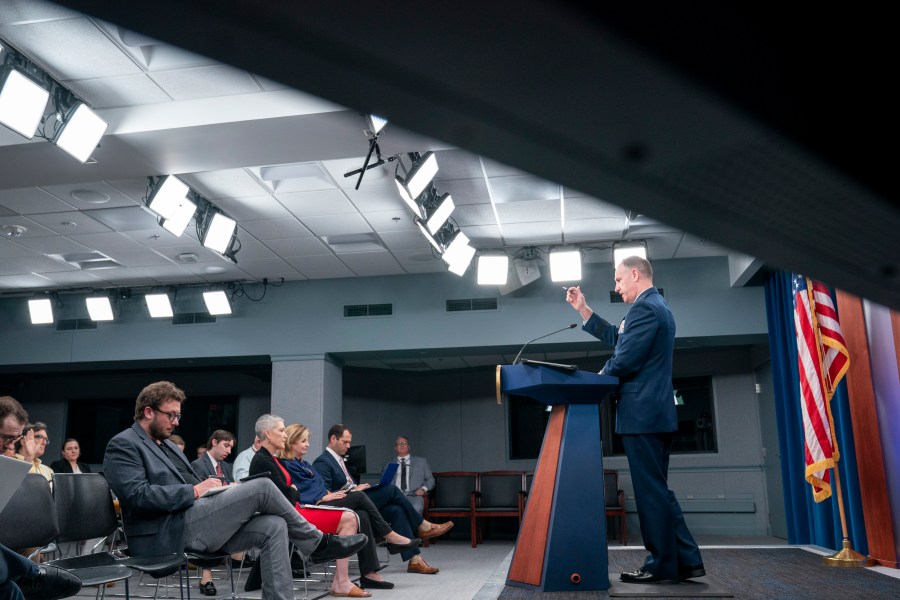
(375, 123)
(80, 132)
(99, 308)
(440, 215)
(22, 103)
(622, 250)
(178, 222)
(219, 233)
(420, 175)
(493, 269)
(565, 265)
(167, 196)
(159, 305)
(459, 254)
(41, 311)
(431, 239)
(217, 303)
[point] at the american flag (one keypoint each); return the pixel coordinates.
(822, 360)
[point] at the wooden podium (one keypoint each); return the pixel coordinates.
(562, 541)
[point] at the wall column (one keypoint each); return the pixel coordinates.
(308, 389)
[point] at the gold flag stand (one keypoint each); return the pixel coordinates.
(846, 556)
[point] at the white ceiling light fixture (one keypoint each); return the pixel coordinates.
(217, 303)
(99, 308)
(22, 103)
(375, 123)
(622, 250)
(167, 196)
(159, 305)
(565, 265)
(493, 269)
(41, 311)
(220, 232)
(419, 177)
(80, 132)
(459, 254)
(440, 215)
(178, 222)
(409, 200)
(431, 239)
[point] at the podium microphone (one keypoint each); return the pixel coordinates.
(572, 326)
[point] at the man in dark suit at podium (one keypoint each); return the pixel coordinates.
(645, 417)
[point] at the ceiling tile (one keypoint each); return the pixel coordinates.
(336, 224)
(484, 235)
(465, 191)
(32, 228)
(252, 250)
(378, 176)
(225, 271)
(391, 220)
(314, 262)
(70, 223)
(25, 11)
(97, 194)
(204, 82)
(591, 208)
(524, 187)
(586, 230)
(114, 92)
(140, 257)
(457, 164)
(265, 267)
(226, 183)
(74, 278)
(474, 214)
(375, 198)
(105, 242)
(342, 271)
(26, 282)
(530, 234)
(189, 254)
(11, 249)
(397, 240)
(163, 273)
(314, 204)
(10, 269)
(53, 245)
(297, 247)
(254, 208)
(157, 237)
(127, 219)
(365, 260)
(42, 264)
(135, 189)
(28, 201)
(295, 177)
(498, 169)
(50, 44)
(276, 229)
(528, 212)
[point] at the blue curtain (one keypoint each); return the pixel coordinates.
(808, 522)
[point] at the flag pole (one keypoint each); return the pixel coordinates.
(846, 556)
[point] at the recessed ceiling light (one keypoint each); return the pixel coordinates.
(90, 196)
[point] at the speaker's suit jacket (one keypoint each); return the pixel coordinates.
(204, 468)
(643, 363)
(153, 494)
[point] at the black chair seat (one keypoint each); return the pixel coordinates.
(101, 575)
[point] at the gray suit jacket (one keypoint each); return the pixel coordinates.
(152, 493)
(419, 475)
(204, 469)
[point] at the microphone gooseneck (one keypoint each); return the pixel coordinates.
(567, 327)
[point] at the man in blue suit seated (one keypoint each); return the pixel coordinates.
(645, 417)
(388, 499)
(166, 508)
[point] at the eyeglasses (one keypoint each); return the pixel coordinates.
(10, 439)
(403, 443)
(42, 438)
(172, 416)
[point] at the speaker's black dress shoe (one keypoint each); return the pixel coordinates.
(398, 548)
(640, 576)
(333, 546)
(690, 572)
(374, 584)
(51, 583)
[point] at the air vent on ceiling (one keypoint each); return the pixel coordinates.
(86, 261)
(194, 318)
(74, 324)
(470, 304)
(615, 298)
(368, 310)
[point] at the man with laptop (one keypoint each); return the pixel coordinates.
(389, 500)
(19, 577)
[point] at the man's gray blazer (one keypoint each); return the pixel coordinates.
(152, 493)
(419, 476)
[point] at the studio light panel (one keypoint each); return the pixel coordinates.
(22, 103)
(81, 132)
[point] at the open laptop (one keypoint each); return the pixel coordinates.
(387, 478)
(12, 472)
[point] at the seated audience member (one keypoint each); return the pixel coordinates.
(201, 450)
(166, 509)
(69, 463)
(391, 503)
(178, 441)
(241, 467)
(312, 491)
(212, 462)
(32, 447)
(270, 432)
(414, 476)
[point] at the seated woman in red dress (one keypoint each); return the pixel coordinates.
(270, 429)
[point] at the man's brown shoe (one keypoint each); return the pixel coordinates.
(435, 530)
(421, 567)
